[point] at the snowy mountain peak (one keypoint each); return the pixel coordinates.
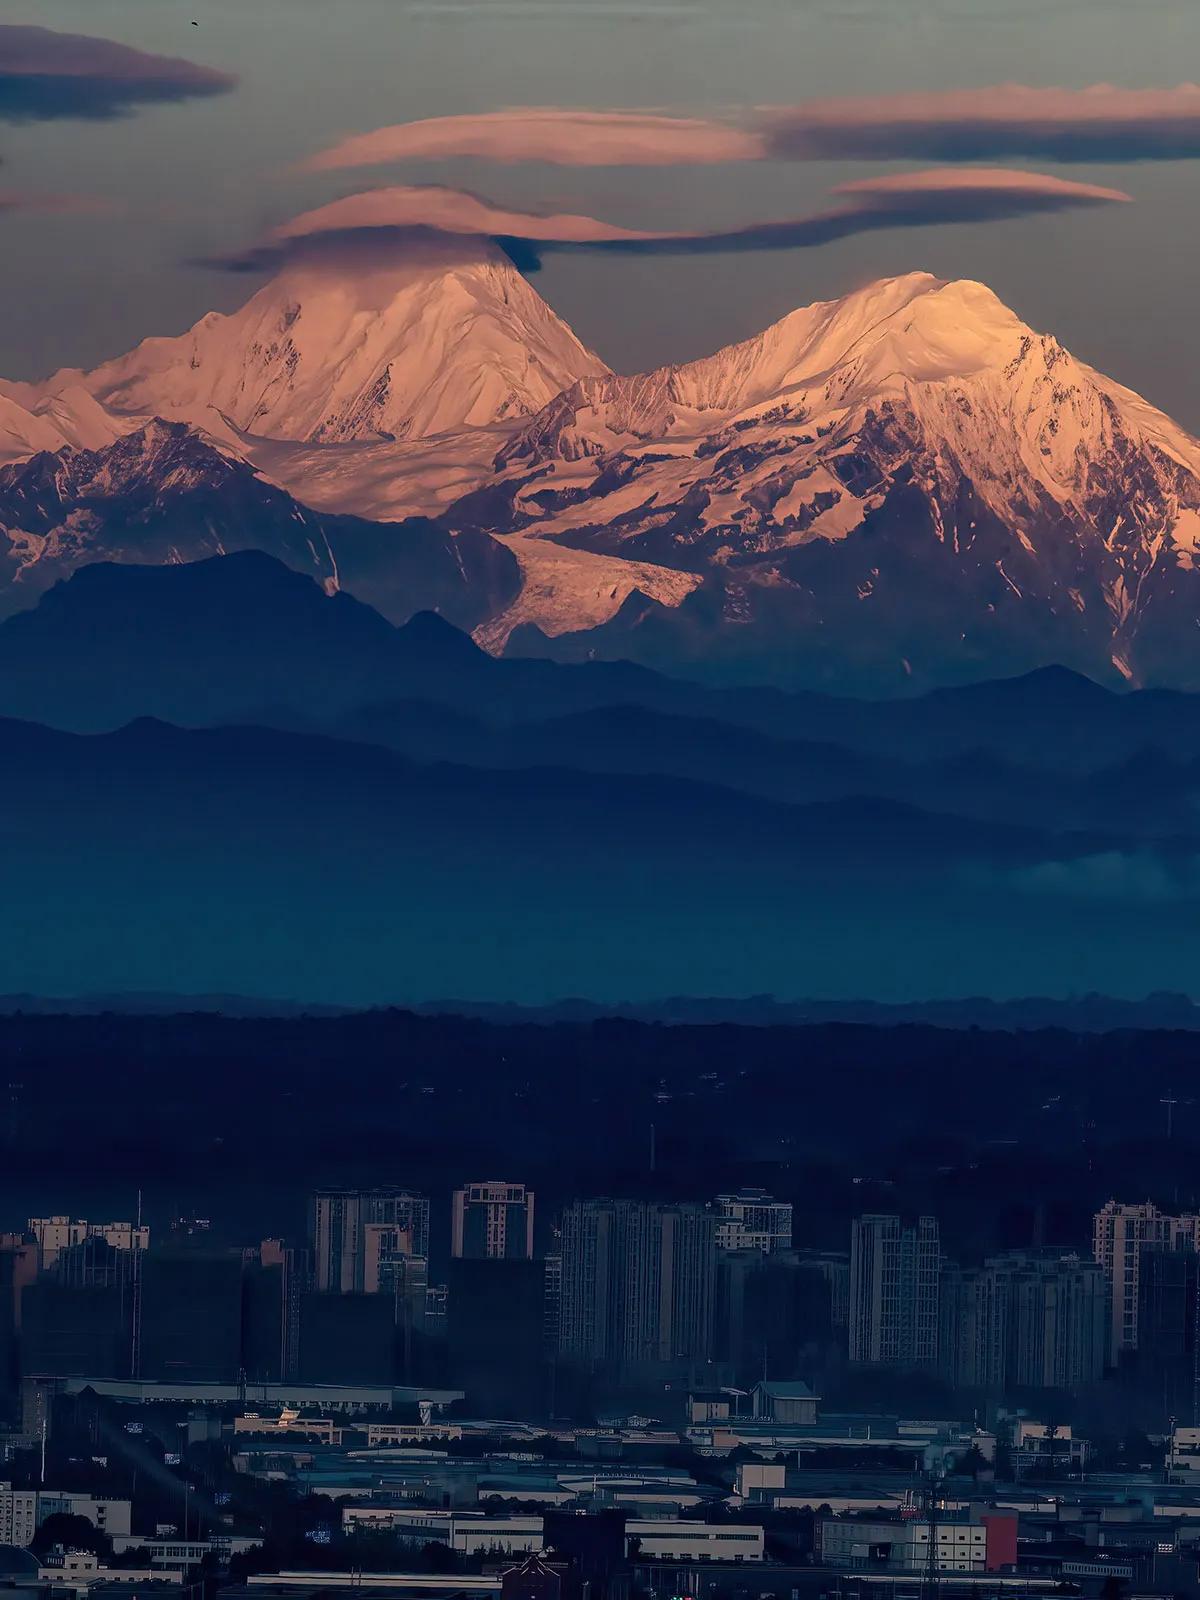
(916, 327)
(442, 336)
(904, 486)
(71, 417)
(144, 467)
(910, 469)
(946, 362)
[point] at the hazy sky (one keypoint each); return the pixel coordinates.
(183, 181)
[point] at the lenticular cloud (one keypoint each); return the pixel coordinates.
(1005, 121)
(1101, 123)
(918, 199)
(1026, 188)
(560, 137)
(45, 74)
(450, 211)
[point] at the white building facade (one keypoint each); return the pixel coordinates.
(18, 1515)
(53, 1235)
(752, 1219)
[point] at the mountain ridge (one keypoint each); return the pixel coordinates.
(313, 869)
(555, 841)
(237, 635)
(900, 489)
(160, 492)
(448, 335)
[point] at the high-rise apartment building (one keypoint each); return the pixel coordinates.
(492, 1221)
(772, 1313)
(1121, 1234)
(190, 1316)
(339, 1220)
(494, 1323)
(637, 1281)
(94, 1263)
(552, 1303)
(894, 1277)
(54, 1234)
(1025, 1319)
(834, 1267)
(1168, 1323)
(752, 1219)
(387, 1251)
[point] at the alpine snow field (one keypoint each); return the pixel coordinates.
(377, 643)
(904, 488)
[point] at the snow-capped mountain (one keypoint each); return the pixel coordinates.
(162, 494)
(30, 421)
(762, 430)
(904, 487)
(909, 479)
(447, 336)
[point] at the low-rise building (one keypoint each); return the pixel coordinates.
(393, 1585)
(411, 1433)
(507, 1536)
(108, 1516)
(1041, 1447)
(914, 1542)
(81, 1571)
(786, 1402)
(466, 1532)
(1183, 1456)
(350, 1399)
(710, 1405)
(289, 1420)
(22, 1512)
(18, 1515)
(901, 1544)
(677, 1540)
(174, 1552)
(754, 1479)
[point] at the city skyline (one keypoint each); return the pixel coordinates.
(600, 709)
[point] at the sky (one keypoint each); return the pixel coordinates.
(118, 223)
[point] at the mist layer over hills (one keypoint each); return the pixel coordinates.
(339, 810)
(377, 643)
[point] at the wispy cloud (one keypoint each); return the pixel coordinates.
(1100, 123)
(904, 200)
(1139, 878)
(1002, 122)
(81, 205)
(45, 75)
(1028, 190)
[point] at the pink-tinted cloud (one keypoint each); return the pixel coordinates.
(393, 215)
(1000, 182)
(1101, 123)
(79, 205)
(47, 74)
(562, 137)
(450, 211)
